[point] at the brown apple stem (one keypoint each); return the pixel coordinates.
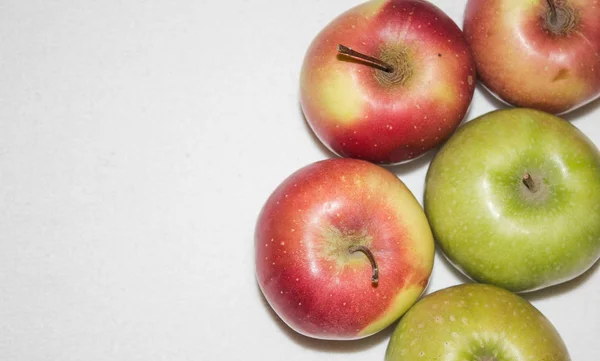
(553, 16)
(529, 183)
(371, 60)
(369, 254)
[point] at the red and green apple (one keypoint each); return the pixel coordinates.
(542, 54)
(387, 81)
(513, 199)
(343, 249)
(475, 322)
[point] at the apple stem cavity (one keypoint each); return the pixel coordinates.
(561, 18)
(529, 183)
(344, 50)
(369, 254)
(553, 18)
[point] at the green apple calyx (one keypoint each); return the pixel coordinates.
(486, 348)
(534, 189)
(529, 183)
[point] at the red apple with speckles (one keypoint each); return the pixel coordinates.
(343, 249)
(399, 84)
(542, 54)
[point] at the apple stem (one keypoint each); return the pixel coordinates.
(529, 183)
(552, 11)
(373, 61)
(369, 254)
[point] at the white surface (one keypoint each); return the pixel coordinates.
(138, 142)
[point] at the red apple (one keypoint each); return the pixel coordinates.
(343, 249)
(402, 103)
(542, 54)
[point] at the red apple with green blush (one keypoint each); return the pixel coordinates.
(342, 249)
(387, 81)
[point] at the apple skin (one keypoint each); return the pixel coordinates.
(486, 220)
(475, 322)
(358, 111)
(303, 234)
(521, 61)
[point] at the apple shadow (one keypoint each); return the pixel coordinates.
(561, 288)
(412, 165)
(490, 97)
(531, 296)
(450, 267)
(332, 346)
(467, 116)
(582, 111)
(322, 147)
(571, 116)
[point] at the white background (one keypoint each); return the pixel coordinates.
(138, 142)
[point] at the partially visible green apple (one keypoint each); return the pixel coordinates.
(475, 322)
(513, 199)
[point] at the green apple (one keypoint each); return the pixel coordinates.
(475, 322)
(513, 199)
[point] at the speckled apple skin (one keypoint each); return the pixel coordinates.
(481, 213)
(354, 115)
(306, 274)
(526, 65)
(475, 322)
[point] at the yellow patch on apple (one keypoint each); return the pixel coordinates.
(518, 6)
(570, 88)
(444, 93)
(371, 8)
(398, 306)
(340, 98)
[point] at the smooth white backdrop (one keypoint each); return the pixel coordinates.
(138, 142)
